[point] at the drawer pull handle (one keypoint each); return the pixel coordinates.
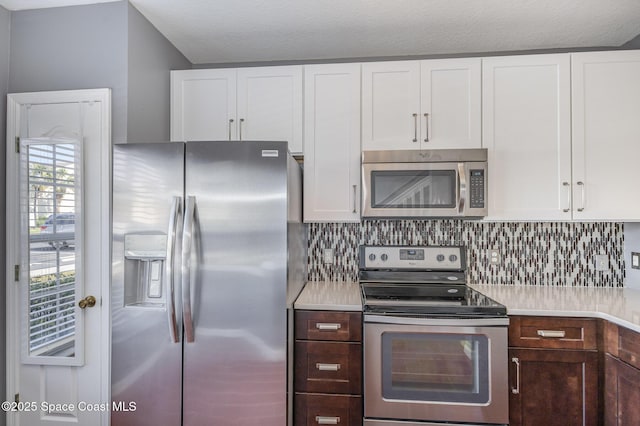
(327, 367)
(323, 420)
(325, 326)
(558, 334)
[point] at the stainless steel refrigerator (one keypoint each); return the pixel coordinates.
(209, 252)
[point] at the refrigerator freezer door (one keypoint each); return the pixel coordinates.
(235, 368)
(146, 357)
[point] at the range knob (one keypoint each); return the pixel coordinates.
(372, 257)
(384, 257)
(440, 258)
(453, 258)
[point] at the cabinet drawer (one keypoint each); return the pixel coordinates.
(552, 332)
(314, 410)
(623, 343)
(328, 367)
(326, 325)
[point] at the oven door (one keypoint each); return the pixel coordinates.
(448, 370)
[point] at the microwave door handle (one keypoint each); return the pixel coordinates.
(462, 187)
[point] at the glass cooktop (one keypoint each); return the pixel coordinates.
(428, 299)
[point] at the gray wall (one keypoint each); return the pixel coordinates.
(79, 47)
(634, 43)
(631, 244)
(5, 27)
(151, 57)
(84, 47)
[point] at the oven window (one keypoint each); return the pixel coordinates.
(435, 367)
(413, 189)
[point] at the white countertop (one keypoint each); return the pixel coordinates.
(330, 296)
(618, 305)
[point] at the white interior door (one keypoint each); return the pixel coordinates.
(58, 209)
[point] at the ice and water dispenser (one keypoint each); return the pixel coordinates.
(145, 256)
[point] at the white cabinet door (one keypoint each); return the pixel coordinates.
(332, 143)
(391, 105)
(450, 103)
(430, 104)
(203, 105)
(606, 135)
(526, 129)
(270, 105)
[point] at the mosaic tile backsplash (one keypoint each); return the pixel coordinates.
(546, 254)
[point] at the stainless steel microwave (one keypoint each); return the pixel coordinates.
(443, 183)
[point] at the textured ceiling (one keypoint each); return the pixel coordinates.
(232, 31)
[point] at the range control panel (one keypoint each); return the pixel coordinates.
(412, 257)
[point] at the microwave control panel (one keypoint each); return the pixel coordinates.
(477, 195)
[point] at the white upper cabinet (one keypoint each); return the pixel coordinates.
(606, 135)
(526, 114)
(270, 105)
(203, 105)
(429, 104)
(390, 105)
(332, 143)
(261, 103)
(450, 103)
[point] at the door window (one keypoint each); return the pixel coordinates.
(50, 240)
(435, 367)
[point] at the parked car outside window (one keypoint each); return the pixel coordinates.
(61, 223)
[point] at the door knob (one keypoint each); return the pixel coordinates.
(87, 302)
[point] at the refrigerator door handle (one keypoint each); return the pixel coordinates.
(187, 242)
(169, 261)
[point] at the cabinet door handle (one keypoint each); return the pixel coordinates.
(516, 390)
(326, 326)
(323, 420)
(581, 185)
(426, 121)
(557, 334)
(415, 127)
(355, 195)
(327, 367)
(566, 185)
(240, 127)
(230, 124)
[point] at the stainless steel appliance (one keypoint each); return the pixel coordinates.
(201, 288)
(435, 350)
(424, 183)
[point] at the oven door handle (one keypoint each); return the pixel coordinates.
(457, 322)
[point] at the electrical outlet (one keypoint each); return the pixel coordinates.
(327, 256)
(602, 262)
(635, 260)
(494, 257)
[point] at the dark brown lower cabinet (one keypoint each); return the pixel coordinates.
(317, 409)
(328, 368)
(622, 393)
(553, 387)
